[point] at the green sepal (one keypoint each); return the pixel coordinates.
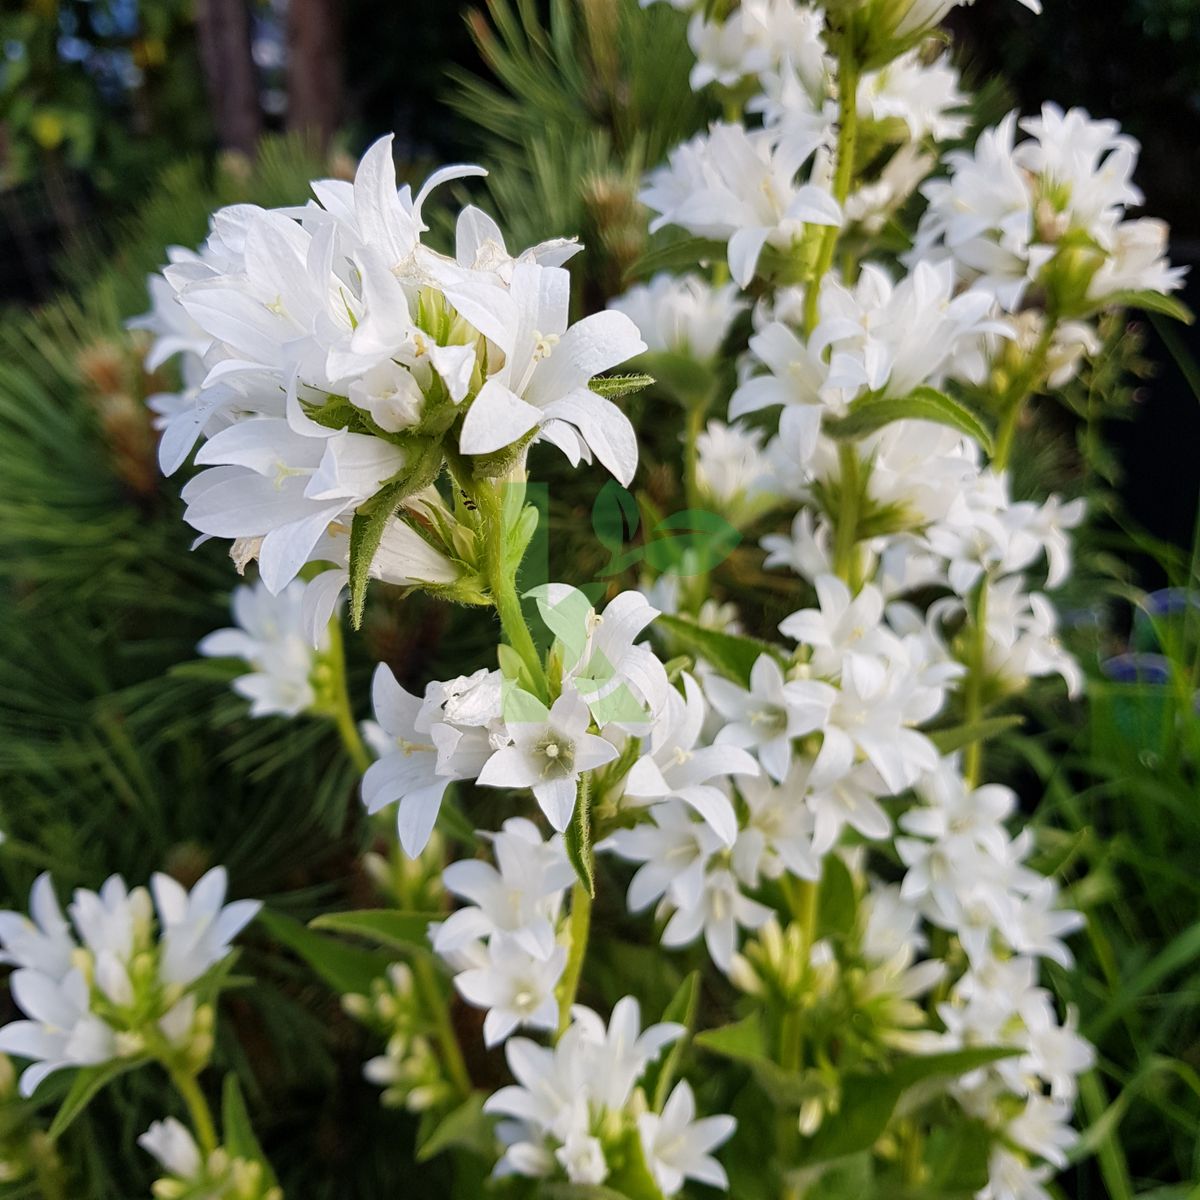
(612, 387)
(371, 521)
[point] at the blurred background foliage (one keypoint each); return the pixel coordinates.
(119, 752)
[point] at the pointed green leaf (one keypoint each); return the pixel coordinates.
(1155, 302)
(467, 1128)
(744, 1041)
(87, 1084)
(681, 1010)
(238, 1136)
(732, 655)
(925, 404)
(677, 255)
(384, 926)
(347, 969)
(958, 736)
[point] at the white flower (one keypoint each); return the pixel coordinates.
(42, 941)
(675, 767)
(172, 1144)
(543, 383)
(737, 187)
(1137, 261)
(623, 684)
(681, 314)
(521, 898)
(732, 472)
(272, 637)
(770, 714)
(675, 852)
(516, 987)
(197, 927)
(548, 755)
(269, 482)
(426, 753)
(778, 833)
(1010, 1177)
(562, 1093)
(115, 929)
(718, 913)
(1044, 1129)
(61, 1030)
(677, 1146)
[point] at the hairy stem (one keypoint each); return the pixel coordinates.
(843, 180)
(502, 581)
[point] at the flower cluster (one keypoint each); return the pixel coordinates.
(574, 1109)
(342, 359)
(106, 985)
(810, 799)
(502, 943)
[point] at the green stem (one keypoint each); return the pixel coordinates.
(437, 1008)
(47, 1167)
(843, 180)
(845, 549)
(1026, 384)
(502, 582)
(695, 588)
(201, 1115)
(580, 927)
(338, 700)
(973, 688)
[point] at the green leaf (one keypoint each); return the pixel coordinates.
(238, 1136)
(613, 386)
(691, 542)
(957, 1158)
(744, 1041)
(837, 901)
(347, 969)
(578, 837)
(685, 252)
(732, 655)
(958, 736)
(681, 1010)
(384, 926)
(925, 404)
(1155, 302)
(630, 1175)
(467, 1127)
(88, 1083)
(951, 1063)
(869, 1099)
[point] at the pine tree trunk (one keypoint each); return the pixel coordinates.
(223, 30)
(314, 68)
